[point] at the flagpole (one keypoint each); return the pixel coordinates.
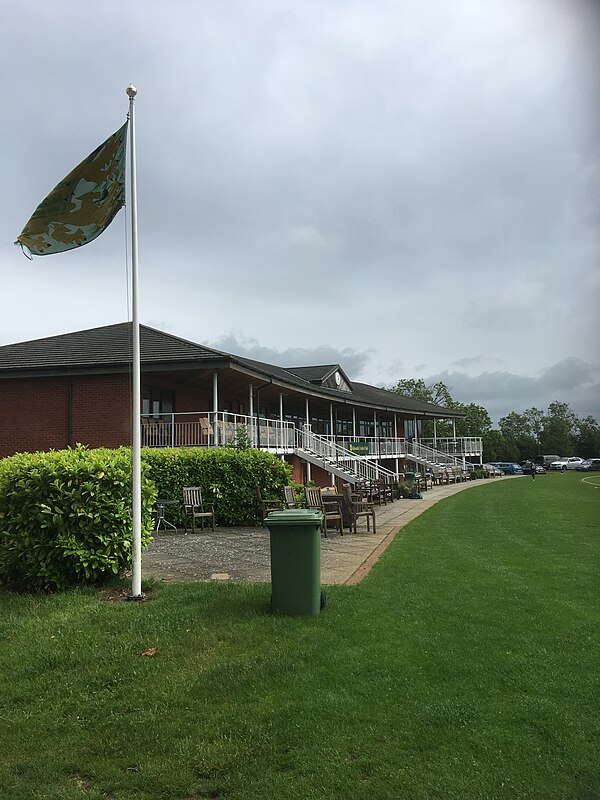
(136, 460)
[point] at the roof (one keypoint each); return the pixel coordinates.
(106, 346)
(110, 347)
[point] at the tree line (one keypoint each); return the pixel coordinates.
(519, 436)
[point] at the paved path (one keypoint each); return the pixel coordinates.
(242, 554)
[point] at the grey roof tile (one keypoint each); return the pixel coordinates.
(110, 346)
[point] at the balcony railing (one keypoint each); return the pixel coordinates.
(374, 446)
(210, 429)
(457, 447)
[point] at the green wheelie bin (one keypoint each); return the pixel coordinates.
(295, 561)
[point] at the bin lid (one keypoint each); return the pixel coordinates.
(294, 516)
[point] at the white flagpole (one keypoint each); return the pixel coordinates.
(136, 459)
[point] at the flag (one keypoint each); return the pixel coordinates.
(83, 204)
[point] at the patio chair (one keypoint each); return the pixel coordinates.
(314, 499)
(358, 507)
(194, 507)
(266, 506)
(289, 497)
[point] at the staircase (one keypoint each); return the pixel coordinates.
(428, 457)
(337, 460)
(344, 464)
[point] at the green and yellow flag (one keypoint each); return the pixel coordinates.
(83, 204)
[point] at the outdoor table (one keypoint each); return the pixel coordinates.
(160, 513)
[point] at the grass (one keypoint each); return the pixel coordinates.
(464, 666)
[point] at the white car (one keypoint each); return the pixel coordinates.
(567, 463)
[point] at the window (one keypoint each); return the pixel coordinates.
(157, 401)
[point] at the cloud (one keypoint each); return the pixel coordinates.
(376, 184)
(571, 380)
(235, 342)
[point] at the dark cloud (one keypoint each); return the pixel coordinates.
(571, 380)
(353, 362)
(381, 184)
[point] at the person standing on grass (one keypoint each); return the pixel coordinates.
(533, 470)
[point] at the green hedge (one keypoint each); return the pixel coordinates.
(65, 517)
(228, 478)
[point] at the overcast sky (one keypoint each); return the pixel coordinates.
(410, 188)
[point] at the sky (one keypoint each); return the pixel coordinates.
(410, 188)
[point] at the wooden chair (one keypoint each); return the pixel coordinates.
(314, 499)
(289, 497)
(266, 506)
(206, 430)
(358, 507)
(194, 506)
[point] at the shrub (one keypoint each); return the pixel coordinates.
(227, 476)
(65, 517)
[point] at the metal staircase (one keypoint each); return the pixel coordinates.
(428, 457)
(344, 464)
(328, 455)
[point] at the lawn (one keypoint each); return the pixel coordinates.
(464, 666)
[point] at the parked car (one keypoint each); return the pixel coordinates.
(508, 468)
(545, 461)
(589, 465)
(567, 463)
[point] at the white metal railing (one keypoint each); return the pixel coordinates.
(373, 446)
(429, 455)
(457, 446)
(332, 453)
(215, 429)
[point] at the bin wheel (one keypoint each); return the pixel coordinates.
(323, 600)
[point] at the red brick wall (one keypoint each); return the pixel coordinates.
(53, 413)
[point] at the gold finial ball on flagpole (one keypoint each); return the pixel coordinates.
(131, 90)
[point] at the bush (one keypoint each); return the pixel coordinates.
(65, 517)
(227, 476)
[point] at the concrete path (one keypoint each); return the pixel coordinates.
(242, 554)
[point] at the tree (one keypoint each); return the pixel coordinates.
(495, 447)
(587, 438)
(535, 420)
(476, 421)
(437, 393)
(559, 429)
(410, 387)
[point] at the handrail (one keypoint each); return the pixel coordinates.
(457, 446)
(215, 429)
(329, 451)
(425, 453)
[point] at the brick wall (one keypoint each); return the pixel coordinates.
(53, 413)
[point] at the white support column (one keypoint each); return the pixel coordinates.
(331, 431)
(353, 423)
(215, 409)
(251, 414)
(397, 462)
(435, 434)
(376, 443)
(307, 412)
(281, 431)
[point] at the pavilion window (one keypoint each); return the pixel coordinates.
(157, 401)
(365, 427)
